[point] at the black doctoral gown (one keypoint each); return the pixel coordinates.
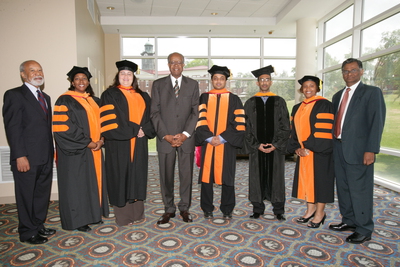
(266, 123)
(126, 179)
(76, 176)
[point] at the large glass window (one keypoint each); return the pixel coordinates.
(137, 47)
(279, 47)
(337, 52)
(284, 68)
(382, 35)
(332, 82)
(235, 47)
(185, 46)
(340, 23)
(372, 8)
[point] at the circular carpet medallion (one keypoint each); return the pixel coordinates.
(207, 251)
(136, 236)
(6, 246)
(196, 231)
(252, 226)
(362, 260)
(71, 242)
(176, 263)
(136, 258)
(248, 259)
(9, 211)
(386, 234)
(231, 238)
(272, 245)
(101, 250)
(3, 222)
(315, 253)
(378, 247)
(27, 257)
(169, 243)
(12, 231)
(61, 262)
(388, 222)
(53, 219)
(288, 232)
(106, 230)
(330, 239)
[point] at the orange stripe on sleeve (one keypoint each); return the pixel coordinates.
(201, 123)
(202, 106)
(239, 112)
(61, 118)
(60, 108)
(107, 117)
(60, 128)
(106, 107)
(325, 116)
(240, 119)
(241, 128)
(321, 125)
(323, 135)
(109, 127)
(202, 114)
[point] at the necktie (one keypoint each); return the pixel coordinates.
(176, 88)
(42, 101)
(339, 115)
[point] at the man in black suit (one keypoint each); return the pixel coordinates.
(359, 120)
(174, 113)
(27, 121)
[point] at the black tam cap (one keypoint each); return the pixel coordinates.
(220, 70)
(315, 79)
(266, 70)
(75, 70)
(126, 65)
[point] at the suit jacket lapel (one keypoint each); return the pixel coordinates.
(355, 100)
(31, 99)
(169, 86)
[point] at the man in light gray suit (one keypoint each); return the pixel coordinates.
(359, 119)
(174, 113)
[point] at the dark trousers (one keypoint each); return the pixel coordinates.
(32, 194)
(355, 185)
(167, 170)
(277, 207)
(227, 198)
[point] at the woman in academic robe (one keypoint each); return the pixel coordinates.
(311, 140)
(80, 175)
(126, 126)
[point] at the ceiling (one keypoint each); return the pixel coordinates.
(194, 17)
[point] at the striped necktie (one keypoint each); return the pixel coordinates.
(176, 89)
(339, 115)
(42, 102)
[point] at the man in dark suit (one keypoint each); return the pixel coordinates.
(174, 113)
(359, 120)
(27, 121)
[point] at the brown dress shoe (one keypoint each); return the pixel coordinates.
(186, 217)
(165, 218)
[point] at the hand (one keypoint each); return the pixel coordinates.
(302, 152)
(140, 133)
(92, 145)
(369, 158)
(270, 148)
(215, 141)
(179, 139)
(99, 144)
(23, 164)
(170, 139)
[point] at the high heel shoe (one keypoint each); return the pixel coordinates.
(317, 225)
(304, 220)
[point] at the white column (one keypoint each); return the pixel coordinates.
(306, 51)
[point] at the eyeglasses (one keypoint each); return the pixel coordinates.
(345, 72)
(175, 62)
(264, 80)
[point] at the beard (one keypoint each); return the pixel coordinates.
(36, 82)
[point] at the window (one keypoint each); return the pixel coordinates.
(371, 8)
(235, 46)
(339, 24)
(280, 47)
(337, 52)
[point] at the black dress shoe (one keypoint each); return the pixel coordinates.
(280, 217)
(227, 215)
(46, 231)
(357, 238)
(342, 227)
(317, 225)
(256, 215)
(165, 218)
(208, 215)
(84, 228)
(36, 240)
(186, 217)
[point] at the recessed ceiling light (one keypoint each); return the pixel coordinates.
(110, 8)
(214, 13)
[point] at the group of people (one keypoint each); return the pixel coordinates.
(338, 139)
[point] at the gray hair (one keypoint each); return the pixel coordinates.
(22, 66)
(183, 58)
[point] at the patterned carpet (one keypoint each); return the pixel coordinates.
(238, 242)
